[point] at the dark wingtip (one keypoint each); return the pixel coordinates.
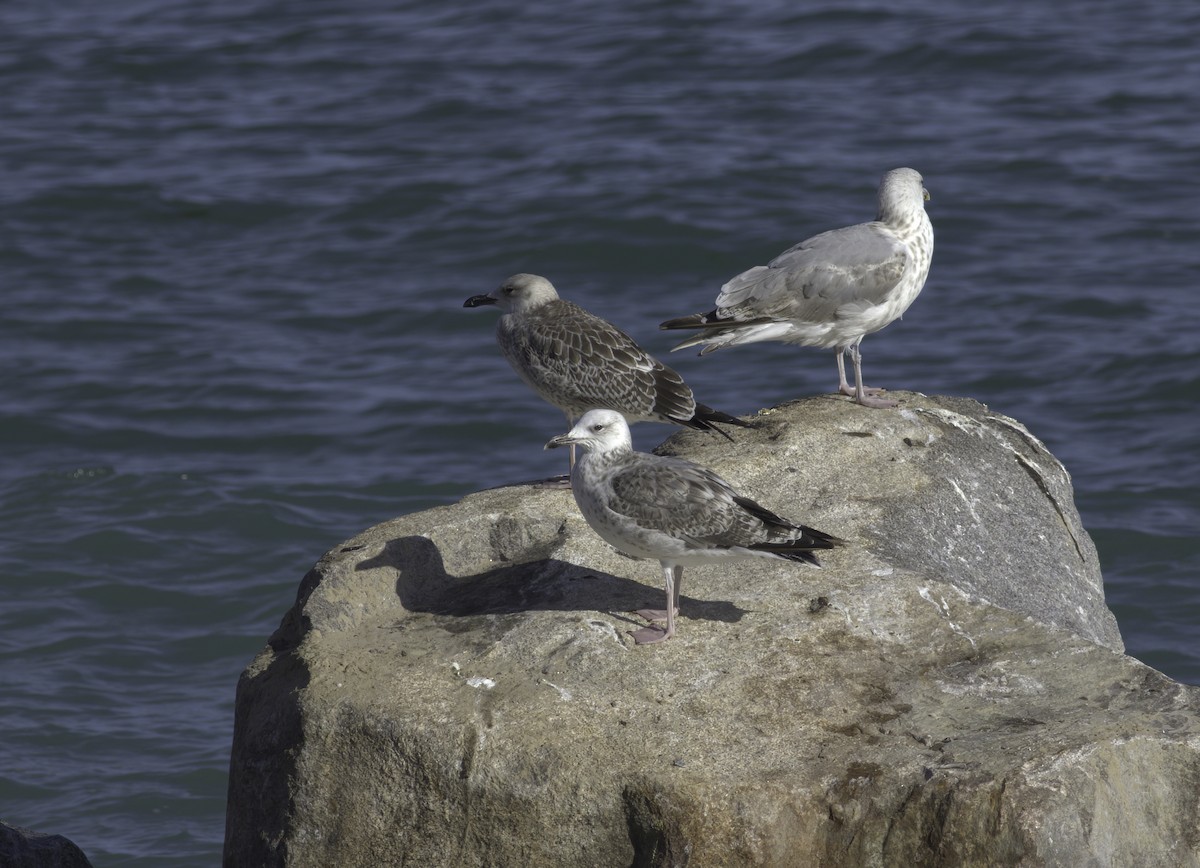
(821, 540)
(816, 539)
(695, 321)
(804, 556)
(706, 416)
(708, 426)
(800, 550)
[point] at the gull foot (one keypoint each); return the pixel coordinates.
(649, 635)
(881, 403)
(849, 391)
(653, 614)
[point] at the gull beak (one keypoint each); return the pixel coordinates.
(477, 300)
(925, 194)
(560, 440)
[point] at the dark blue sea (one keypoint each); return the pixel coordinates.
(235, 239)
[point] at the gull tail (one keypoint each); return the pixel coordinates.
(695, 321)
(793, 542)
(717, 331)
(802, 548)
(706, 417)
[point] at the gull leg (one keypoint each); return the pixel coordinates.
(672, 576)
(865, 394)
(844, 386)
(661, 614)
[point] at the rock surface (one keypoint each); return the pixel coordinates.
(456, 687)
(24, 848)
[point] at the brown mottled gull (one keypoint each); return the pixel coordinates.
(672, 510)
(833, 289)
(578, 361)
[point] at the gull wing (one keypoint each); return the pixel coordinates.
(685, 501)
(563, 348)
(820, 278)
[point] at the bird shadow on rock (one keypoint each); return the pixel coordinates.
(541, 584)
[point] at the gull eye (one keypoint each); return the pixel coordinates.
(597, 427)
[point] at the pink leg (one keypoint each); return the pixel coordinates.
(864, 395)
(661, 614)
(673, 578)
(843, 384)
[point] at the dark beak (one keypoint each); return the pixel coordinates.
(560, 440)
(477, 300)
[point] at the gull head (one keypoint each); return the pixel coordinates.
(517, 293)
(597, 431)
(901, 192)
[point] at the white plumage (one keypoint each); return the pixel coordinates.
(832, 289)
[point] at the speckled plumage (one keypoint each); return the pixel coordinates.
(832, 289)
(577, 361)
(672, 510)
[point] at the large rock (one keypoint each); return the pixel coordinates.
(25, 848)
(455, 687)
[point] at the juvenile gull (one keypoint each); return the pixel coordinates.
(833, 289)
(576, 360)
(672, 510)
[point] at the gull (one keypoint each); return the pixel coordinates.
(832, 289)
(673, 511)
(576, 360)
